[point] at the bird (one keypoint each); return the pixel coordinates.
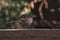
(24, 20)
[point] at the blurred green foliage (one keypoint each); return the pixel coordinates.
(10, 11)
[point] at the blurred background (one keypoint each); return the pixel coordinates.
(22, 14)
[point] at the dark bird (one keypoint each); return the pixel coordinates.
(24, 20)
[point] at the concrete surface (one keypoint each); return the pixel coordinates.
(30, 34)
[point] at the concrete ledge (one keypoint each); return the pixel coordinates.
(30, 34)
